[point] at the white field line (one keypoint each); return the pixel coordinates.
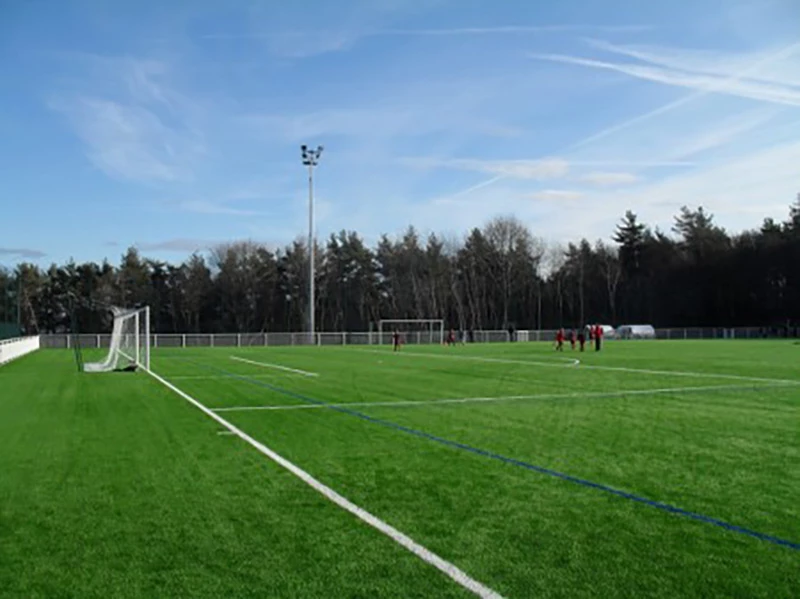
(211, 377)
(276, 366)
(398, 537)
(460, 400)
(578, 364)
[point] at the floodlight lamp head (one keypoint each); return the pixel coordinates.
(310, 156)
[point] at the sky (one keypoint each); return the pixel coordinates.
(174, 126)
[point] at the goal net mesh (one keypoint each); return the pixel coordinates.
(412, 331)
(130, 342)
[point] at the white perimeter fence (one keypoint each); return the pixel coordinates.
(11, 349)
(64, 341)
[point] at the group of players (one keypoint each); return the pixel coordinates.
(397, 338)
(594, 333)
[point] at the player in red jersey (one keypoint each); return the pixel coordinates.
(396, 340)
(582, 339)
(598, 337)
(560, 340)
(572, 338)
(451, 337)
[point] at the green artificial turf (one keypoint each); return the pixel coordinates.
(112, 485)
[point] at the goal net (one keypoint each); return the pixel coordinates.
(422, 331)
(129, 347)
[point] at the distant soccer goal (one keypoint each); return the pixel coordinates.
(415, 331)
(129, 347)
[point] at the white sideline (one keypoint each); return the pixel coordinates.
(276, 366)
(458, 400)
(582, 365)
(398, 537)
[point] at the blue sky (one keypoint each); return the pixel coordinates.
(176, 125)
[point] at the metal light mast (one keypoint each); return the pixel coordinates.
(311, 159)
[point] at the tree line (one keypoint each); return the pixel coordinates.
(497, 277)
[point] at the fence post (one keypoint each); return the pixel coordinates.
(238, 340)
(183, 340)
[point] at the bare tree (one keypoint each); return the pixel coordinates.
(509, 240)
(612, 273)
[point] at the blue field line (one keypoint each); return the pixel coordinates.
(513, 461)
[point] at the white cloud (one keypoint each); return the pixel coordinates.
(772, 66)
(178, 245)
(517, 169)
(512, 29)
(313, 42)
(207, 207)
(22, 252)
(779, 94)
(761, 182)
(608, 179)
(722, 133)
(744, 83)
(548, 168)
(133, 124)
(556, 195)
(130, 142)
(366, 122)
(141, 77)
(137, 80)
(411, 113)
(731, 72)
(306, 44)
(740, 193)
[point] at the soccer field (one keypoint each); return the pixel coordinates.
(650, 469)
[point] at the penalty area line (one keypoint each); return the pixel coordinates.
(463, 400)
(584, 366)
(425, 554)
(213, 377)
(275, 366)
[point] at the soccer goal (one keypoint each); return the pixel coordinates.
(129, 347)
(414, 331)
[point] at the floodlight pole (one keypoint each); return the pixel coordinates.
(311, 159)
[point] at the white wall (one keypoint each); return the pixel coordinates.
(11, 349)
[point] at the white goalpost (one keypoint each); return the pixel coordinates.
(416, 331)
(130, 342)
